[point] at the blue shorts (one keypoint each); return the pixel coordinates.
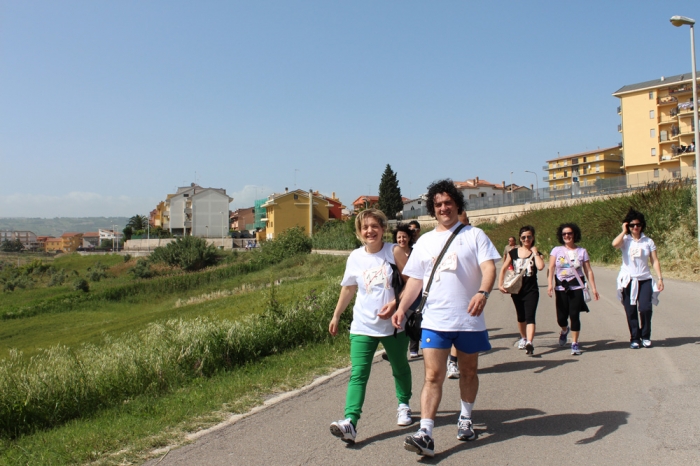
(466, 342)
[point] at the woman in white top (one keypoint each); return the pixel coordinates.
(368, 278)
(635, 285)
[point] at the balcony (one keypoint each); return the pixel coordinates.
(545, 178)
(619, 109)
(188, 210)
(545, 167)
(666, 100)
(685, 88)
(619, 128)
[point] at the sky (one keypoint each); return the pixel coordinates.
(106, 107)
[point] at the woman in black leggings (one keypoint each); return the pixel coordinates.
(525, 257)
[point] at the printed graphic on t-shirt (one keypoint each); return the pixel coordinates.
(635, 251)
(375, 276)
(520, 263)
(565, 265)
(448, 263)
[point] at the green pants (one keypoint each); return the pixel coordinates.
(362, 349)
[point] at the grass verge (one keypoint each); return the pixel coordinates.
(128, 433)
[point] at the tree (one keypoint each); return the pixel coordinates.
(390, 201)
(11, 246)
(138, 222)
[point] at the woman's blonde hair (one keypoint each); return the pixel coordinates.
(376, 214)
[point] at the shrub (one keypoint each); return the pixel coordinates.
(127, 257)
(80, 284)
(57, 278)
(336, 234)
(289, 243)
(142, 269)
(189, 253)
(96, 272)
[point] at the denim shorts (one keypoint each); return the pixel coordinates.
(466, 342)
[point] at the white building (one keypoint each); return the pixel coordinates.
(197, 211)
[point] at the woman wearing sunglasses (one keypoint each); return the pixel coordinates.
(567, 265)
(529, 258)
(635, 286)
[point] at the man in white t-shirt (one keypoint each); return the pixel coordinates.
(453, 312)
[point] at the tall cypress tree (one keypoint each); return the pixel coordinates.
(390, 201)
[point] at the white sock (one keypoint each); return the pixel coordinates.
(404, 405)
(427, 425)
(466, 409)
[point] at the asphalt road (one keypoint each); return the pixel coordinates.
(609, 406)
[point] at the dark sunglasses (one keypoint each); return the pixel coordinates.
(568, 233)
(525, 237)
(635, 225)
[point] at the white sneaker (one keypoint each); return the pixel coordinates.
(344, 430)
(521, 343)
(452, 370)
(646, 343)
(403, 415)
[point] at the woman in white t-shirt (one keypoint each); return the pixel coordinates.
(368, 278)
(569, 267)
(635, 285)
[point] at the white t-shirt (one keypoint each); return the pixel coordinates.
(456, 280)
(635, 256)
(372, 274)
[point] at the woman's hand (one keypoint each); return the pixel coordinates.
(333, 326)
(387, 310)
(500, 287)
(660, 284)
(625, 229)
(550, 290)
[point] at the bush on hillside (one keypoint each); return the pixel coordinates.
(97, 272)
(142, 269)
(336, 234)
(289, 243)
(189, 253)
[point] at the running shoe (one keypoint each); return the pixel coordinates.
(521, 343)
(562, 337)
(465, 431)
(420, 443)
(646, 343)
(403, 416)
(529, 349)
(344, 430)
(452, 370)
(413, 354)
(634, 345)
(575, 350)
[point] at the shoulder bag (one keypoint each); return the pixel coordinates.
(413, 323)
(513, 282)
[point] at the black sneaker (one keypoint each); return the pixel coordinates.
(420, 443)
(464, 429)
(529, 349)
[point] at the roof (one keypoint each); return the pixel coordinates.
(662, 82)
(581, 154)
(364, 198)
(91, 234)
(476, 183)
(270, 200)
(70, 234)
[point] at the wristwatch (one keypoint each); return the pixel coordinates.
(485, 293)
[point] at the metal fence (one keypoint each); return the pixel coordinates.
(602, 187)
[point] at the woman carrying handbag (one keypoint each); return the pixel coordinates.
(526, 261)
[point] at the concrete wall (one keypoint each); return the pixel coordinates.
(134, 245)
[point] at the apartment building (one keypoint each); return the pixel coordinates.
(295, 208)
(657, 129)
(197, 211)
(68, 242)
(27, 238)
(580, 172)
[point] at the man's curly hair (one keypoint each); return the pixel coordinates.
(445, 186)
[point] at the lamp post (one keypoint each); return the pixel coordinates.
(537, 183)
(223, 222)
(679, 21)
(512, 201)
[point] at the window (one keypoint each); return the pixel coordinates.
(653, 151)
(296, 197)
(651, 114)
(656, 173)
(584, 160)
(566, 173)
(652, 133)
(651, 95)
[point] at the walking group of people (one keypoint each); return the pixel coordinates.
(451, 271)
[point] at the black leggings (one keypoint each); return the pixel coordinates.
(526, 305)
(641, 312)
(570, 304)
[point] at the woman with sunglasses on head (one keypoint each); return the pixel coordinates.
(569, 266)
(403, 239)
(635, 285)
(529, 258)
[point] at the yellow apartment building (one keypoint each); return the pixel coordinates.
(657, 129)
(68, 242)
(291, 208)
(579, 172)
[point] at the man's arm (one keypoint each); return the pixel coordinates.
(488, 277)
(410, 292)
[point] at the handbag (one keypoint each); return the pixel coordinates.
(413, 322)
(513, 282)
(586, 292)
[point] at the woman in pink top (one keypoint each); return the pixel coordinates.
(567, 265)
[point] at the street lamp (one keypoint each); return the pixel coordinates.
(223, 221)
(679, 21)
(512, 201)
(537, 183)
